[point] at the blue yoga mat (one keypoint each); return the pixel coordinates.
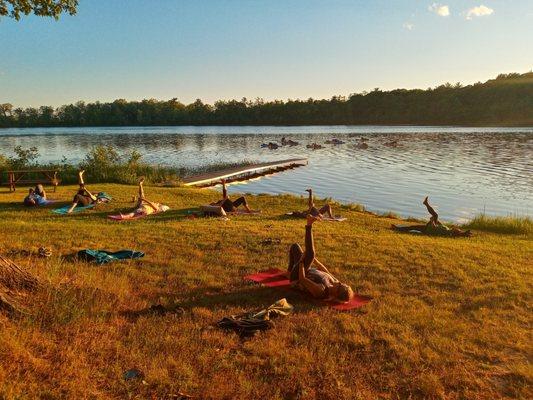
(78, 209)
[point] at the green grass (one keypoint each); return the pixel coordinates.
(509, 224)
(450, 318)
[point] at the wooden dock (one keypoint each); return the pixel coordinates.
(243, 173)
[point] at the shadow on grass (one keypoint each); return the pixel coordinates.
(253, 297)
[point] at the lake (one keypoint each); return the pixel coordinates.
(465, 171)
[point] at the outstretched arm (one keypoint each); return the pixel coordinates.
(92, 196)
(72, 207)
(315, 289)
(321, 266)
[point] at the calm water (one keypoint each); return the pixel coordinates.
(464, 170)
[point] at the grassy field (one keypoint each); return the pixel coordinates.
(450, 318)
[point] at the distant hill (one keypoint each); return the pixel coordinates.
(506, 100)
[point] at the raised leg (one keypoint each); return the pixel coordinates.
(434, 215)
(81, 182)
(309, 254)
(241, 201)
(326, 210)
(310, 202)
(295, 256)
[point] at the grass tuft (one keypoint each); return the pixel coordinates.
(510, 224)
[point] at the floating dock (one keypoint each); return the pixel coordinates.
(243, 173)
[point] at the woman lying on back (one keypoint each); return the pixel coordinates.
(227, 204)
(83, 197)
(310, 275)
(145, 206)
(434, 226)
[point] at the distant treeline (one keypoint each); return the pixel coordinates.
(506, 100)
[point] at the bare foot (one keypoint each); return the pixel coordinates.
(426, 201)
(309, 190)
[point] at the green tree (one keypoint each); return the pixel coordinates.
(43, 8)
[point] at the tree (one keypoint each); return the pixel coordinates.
(43, 8)
(6, 109)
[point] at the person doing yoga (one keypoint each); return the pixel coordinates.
(227, 204)
(145, 206)
(434, 226)
(311, 275)
(83, 197)
(312, 210)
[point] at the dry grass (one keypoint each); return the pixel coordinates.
(449, 319)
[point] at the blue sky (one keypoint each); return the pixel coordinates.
(224, 49)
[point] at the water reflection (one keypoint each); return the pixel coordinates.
(464, 170)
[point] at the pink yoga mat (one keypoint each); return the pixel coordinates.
(276, 278)
(125, 217)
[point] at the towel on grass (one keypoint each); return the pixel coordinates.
(104, 256)
(248, 324)
(277, 278)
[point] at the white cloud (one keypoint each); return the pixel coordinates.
(409, 26)
(439, 9)
(479, 11)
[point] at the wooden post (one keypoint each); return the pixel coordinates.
(11, 178)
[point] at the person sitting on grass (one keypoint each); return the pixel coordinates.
(312, 210)
(434, 226)
(83, 197)
(145, 206)
(310, 275)
(227, 205)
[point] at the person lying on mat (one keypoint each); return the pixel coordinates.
(227, 204)
(312, 210)
(434, 226)
(145, 206)
(34, 199)
(311, 275)
(83, 197)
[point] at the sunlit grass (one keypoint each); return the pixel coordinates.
(449, 318)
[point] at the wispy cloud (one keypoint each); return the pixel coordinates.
(439, 9)
(409, 26)
(479, 11)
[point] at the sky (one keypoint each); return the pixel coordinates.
(270, 49)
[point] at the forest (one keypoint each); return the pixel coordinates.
(506, 100)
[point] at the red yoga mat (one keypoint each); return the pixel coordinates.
(272, 278)
(276, 278)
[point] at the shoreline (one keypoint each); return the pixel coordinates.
(517, 126)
